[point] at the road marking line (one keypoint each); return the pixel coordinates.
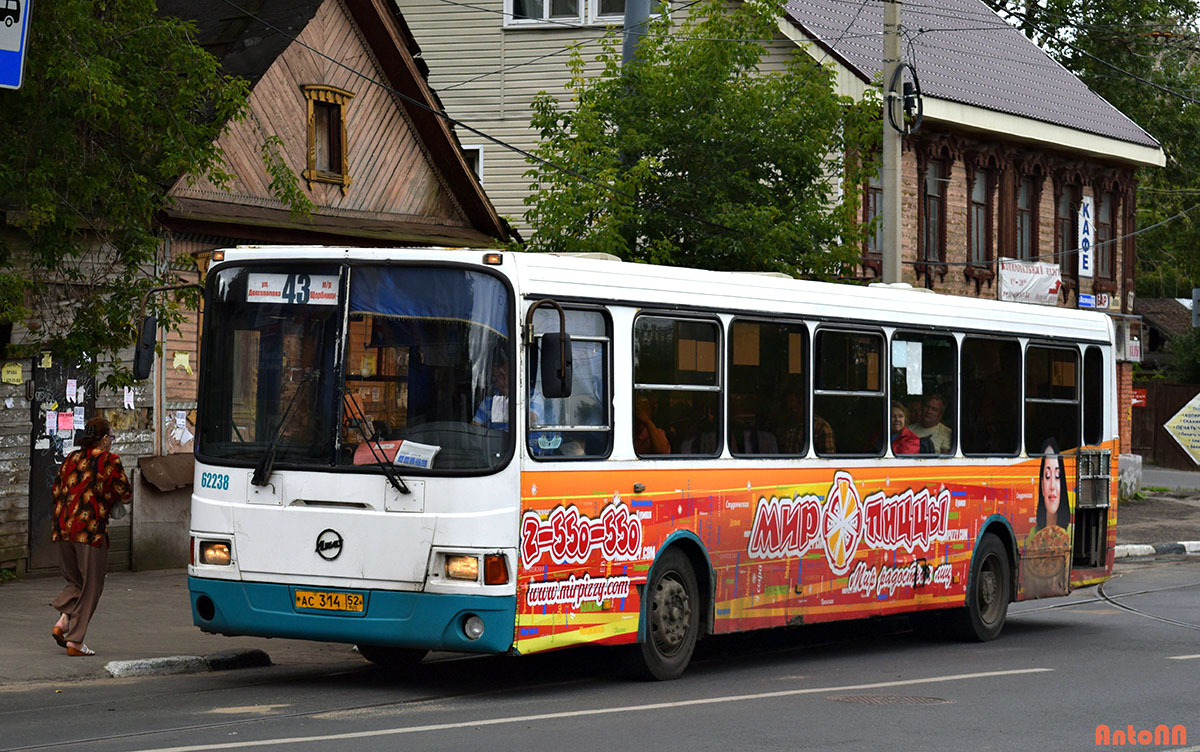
(1182, 657)
(595, 711)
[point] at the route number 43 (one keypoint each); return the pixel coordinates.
(296, 288)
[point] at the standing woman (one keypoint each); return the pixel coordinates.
(89, 484)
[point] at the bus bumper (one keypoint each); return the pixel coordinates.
(430, 621)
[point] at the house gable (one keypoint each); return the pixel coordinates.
(406, 178)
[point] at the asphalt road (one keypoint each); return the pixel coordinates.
(1124, 656)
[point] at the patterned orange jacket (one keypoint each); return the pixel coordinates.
(89, 483)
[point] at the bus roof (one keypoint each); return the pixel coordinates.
(607, 280)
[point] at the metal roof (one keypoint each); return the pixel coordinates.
(964, 52)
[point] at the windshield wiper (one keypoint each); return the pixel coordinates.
(262, 470)
(381, 460)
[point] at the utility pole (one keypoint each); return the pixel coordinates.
(637, 13)
(891, 143)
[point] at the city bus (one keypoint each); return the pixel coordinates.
(475, 451)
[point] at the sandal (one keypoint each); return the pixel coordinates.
(82, 650)
(57, 633)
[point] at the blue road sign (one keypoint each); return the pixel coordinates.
(1087, 301)
(14, 34)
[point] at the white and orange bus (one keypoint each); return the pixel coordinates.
(399, 449)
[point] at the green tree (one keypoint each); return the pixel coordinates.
(117, 104)
(1143, 56)
(697, 156)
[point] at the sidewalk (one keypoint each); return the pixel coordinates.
(142, 615)
(147, 615)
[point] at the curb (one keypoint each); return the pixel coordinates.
(1156, 549)
(188, 664)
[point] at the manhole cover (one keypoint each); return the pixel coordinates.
(890, 700)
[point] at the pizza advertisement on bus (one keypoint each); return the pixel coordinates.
(850, 544)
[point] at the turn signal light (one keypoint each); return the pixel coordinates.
(493, 259)
(495, 570)
(462, 568)
(214, 552)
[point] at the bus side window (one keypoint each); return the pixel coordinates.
(677, 388)
(1051, 397)
(923, 383)
(578, 426)
(768, 389)
(848, 398)
(991, 396)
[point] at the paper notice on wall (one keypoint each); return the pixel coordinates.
(66, 420)
(41, 444)
(47, 360)
(72, 387)
(80, 418)
(128, 398)
(8, 403)
(181, 419)
(51, 421)
(183, 360)
(11, 373)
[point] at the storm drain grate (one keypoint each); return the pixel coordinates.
(890, 700)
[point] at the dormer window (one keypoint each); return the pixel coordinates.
(327, 161)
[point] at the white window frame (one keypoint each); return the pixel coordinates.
(588, 15)
(478, 149)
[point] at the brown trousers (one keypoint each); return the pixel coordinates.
(84, 568)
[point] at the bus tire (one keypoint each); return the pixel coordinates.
(671, 615)
(989, 590)
(392, 657)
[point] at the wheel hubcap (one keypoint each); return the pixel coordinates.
(671, 615)
(989, 590)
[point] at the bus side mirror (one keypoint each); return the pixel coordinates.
(556, 364)
(143, 353)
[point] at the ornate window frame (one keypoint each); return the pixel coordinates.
(318, 95)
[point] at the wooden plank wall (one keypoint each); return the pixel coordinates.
(391, 173)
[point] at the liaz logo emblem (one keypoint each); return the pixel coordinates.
(329, 544)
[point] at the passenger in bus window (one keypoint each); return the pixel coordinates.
(929, 424)
(791, 429)
(823, 438)
(647, 437)
(493, 411)
(904, 441)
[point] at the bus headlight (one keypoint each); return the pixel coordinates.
(462, 567)
(215, 552)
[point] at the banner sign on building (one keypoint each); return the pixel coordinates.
(1087, 236)
(1029, 281)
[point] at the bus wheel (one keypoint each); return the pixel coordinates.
(390, 657)
(671, 608)
(988, 592)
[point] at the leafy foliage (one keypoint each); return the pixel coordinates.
(117, 104)
(696, 155)
(1184, 364)
(1143, 57)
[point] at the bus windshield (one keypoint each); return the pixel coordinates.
(352, 366)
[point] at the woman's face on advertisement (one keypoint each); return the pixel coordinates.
(1051, 486)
